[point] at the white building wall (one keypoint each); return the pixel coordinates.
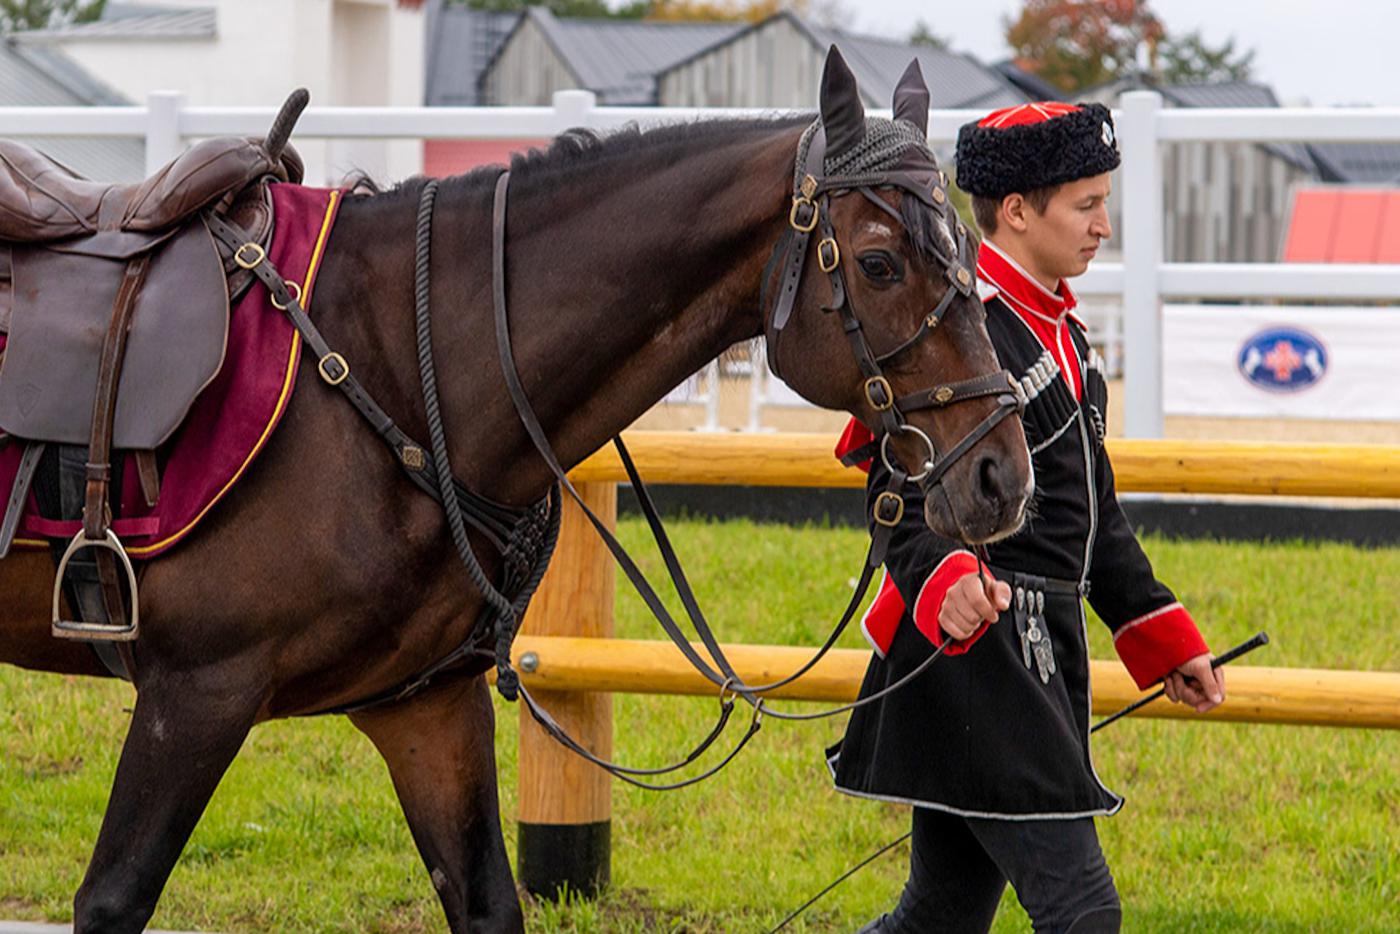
(346, 52)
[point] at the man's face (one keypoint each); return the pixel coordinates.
(1063, 240)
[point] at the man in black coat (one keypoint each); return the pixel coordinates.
(991, 744)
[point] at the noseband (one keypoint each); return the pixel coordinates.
(810, 211)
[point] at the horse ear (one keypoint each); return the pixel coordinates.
(843, 115)
(911, 97)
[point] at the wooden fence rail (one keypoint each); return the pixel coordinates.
(566, 804)
(1299, 696)
(1156, 466)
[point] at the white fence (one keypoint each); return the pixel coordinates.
(1141, 281)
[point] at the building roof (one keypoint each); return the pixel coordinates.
(1363, 163)
(1219, 94)
(954, 79)
(1032, 85)
(1344, 225)
(1214, 94)
(462, 42)
(42, 76)
(620, 59)
(136, 21)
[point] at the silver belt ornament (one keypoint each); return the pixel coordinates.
(1034, 632)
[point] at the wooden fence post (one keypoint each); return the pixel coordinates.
(565, 835)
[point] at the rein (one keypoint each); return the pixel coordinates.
(805, 216)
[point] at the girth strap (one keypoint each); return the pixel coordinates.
(19, 495)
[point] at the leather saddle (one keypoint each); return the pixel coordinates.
(114, 300)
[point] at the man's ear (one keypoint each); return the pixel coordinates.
(1012, 212)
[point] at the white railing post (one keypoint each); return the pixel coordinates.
(573, 108)
(711, 396)
(163, 139)
(758, 372)
(1142, 257)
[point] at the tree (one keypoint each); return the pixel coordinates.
(1076, 44)
(823, 12)
(751, 11)
(17, 15)
(924, 35)
(596, 9)
(1188, 60)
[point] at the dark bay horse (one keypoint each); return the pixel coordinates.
(325, 578)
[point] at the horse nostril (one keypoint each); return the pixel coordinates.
(989, 477)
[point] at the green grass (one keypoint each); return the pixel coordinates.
(1228, 827)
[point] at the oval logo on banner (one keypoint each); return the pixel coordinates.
(1283, 359)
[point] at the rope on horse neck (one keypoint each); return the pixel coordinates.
(507, 680)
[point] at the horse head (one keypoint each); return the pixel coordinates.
(889, 326)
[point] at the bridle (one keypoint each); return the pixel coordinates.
(813, 191)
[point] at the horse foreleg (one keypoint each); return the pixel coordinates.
(183, 736)
(441, 757)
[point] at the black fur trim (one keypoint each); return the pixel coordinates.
(993, 162)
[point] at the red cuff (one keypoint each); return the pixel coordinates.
(856, 435)
(930, 601)
(881, 620)
(1156, 643)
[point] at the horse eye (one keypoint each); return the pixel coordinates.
(880, 265)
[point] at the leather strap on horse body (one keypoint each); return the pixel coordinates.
(19, 493)
(525, 538)
(96, 515)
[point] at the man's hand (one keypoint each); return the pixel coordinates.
(1196, 683)
(967, 605)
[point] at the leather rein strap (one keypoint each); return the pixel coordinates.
(721, 673)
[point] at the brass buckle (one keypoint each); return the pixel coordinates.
(259, 254)
(98, 632)
(295, 290)
(943, 394)
(797, 203)
(323, 366)
(886, 497)
(882, 384)
(828, 247)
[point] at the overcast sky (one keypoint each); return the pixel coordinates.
(1319, 52)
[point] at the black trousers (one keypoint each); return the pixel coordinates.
(959, 866)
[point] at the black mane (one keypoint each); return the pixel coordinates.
(582, 148)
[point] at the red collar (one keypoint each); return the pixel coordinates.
(1022, 291)
(1044, 312)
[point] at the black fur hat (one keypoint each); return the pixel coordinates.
(1034, 146)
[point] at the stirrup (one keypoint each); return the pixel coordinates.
(95, 632)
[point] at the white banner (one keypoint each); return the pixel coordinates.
(1281, 361)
